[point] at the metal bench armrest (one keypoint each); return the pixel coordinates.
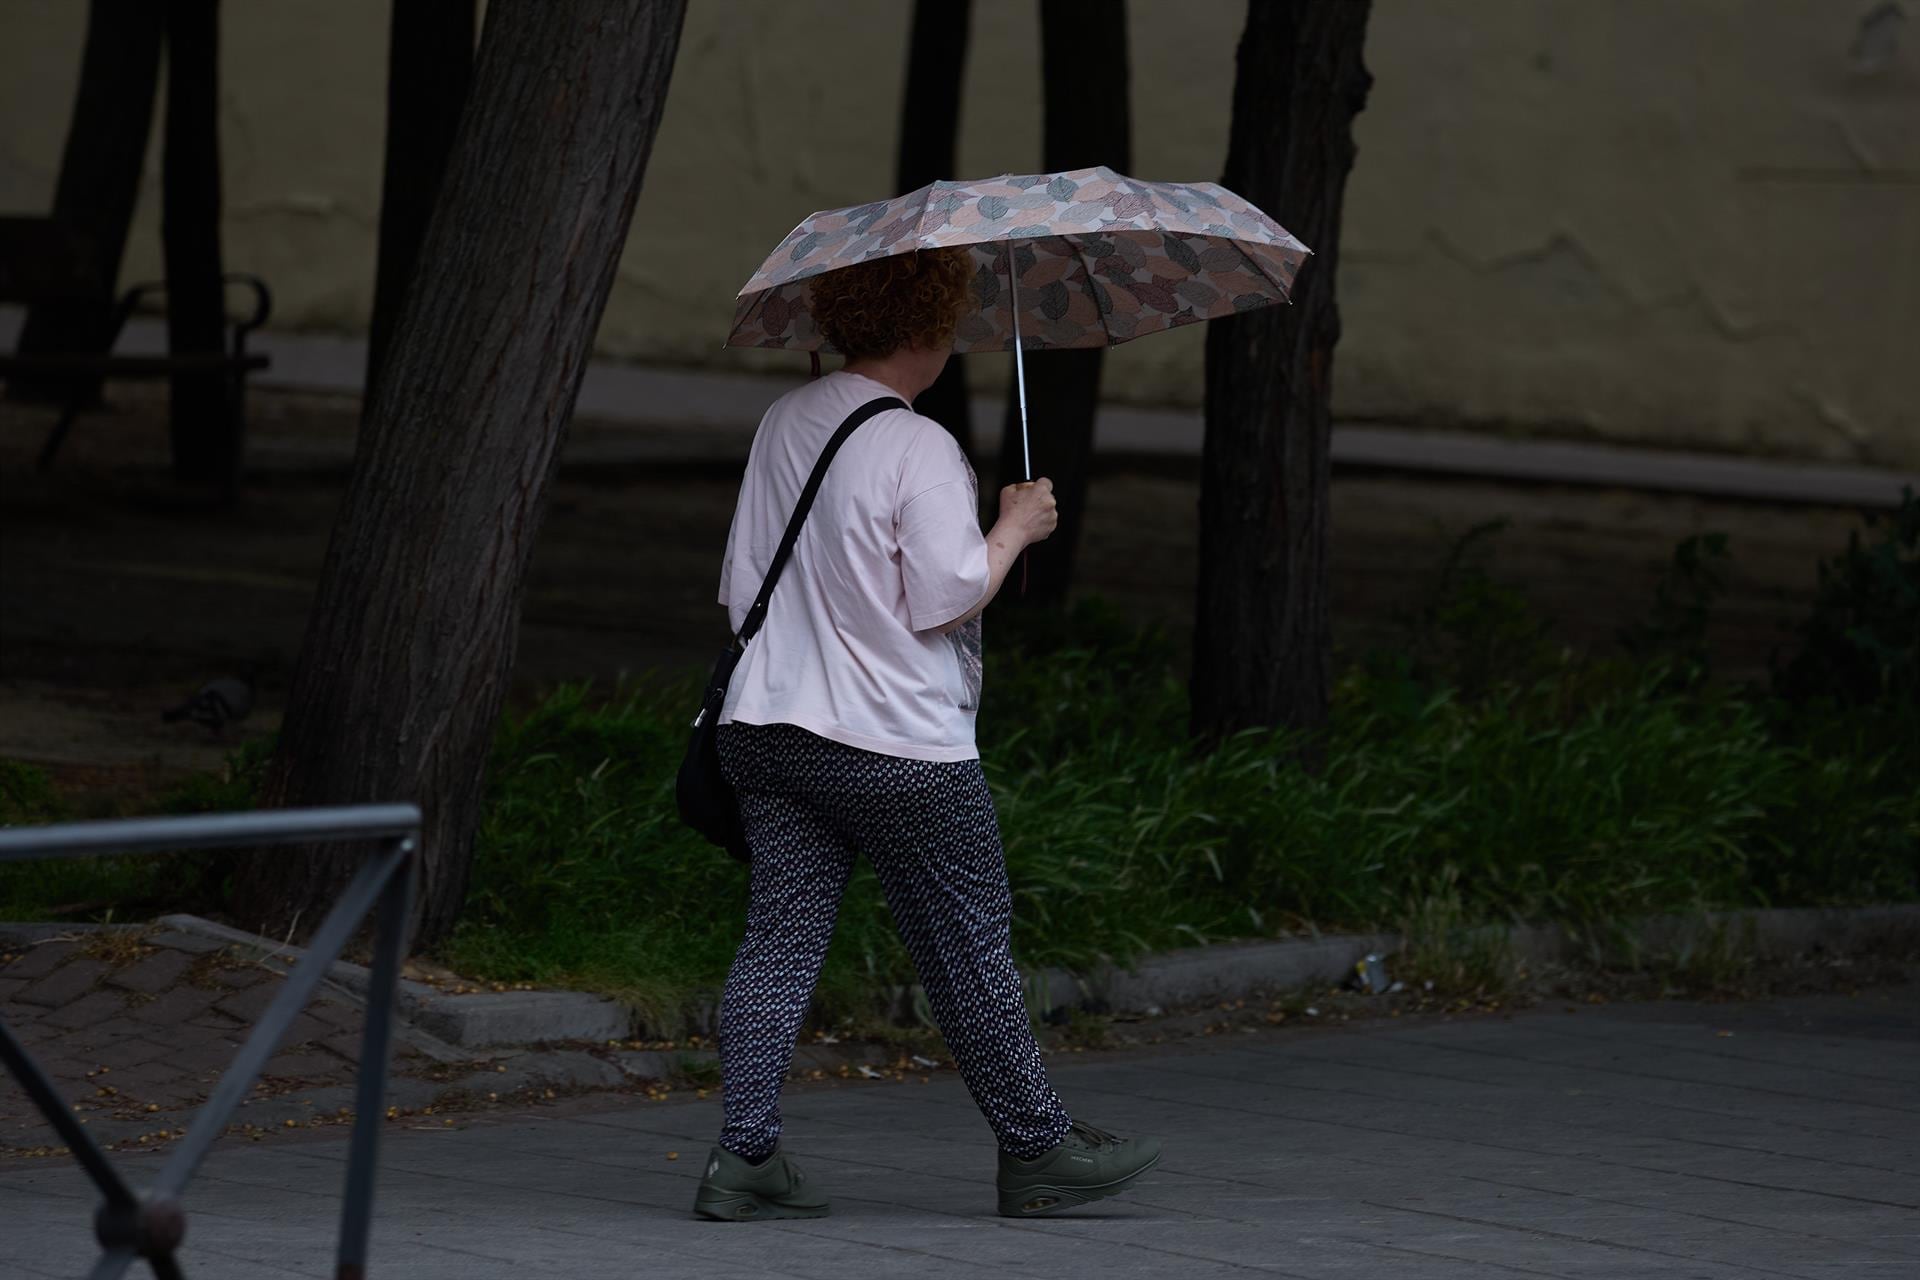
(262, 307)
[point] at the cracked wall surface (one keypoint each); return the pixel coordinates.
(1686, 224)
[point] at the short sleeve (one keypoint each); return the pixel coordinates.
(943, 555)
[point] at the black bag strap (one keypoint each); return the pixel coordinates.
(758, 613)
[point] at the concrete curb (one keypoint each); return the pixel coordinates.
(1200, 975)
(479, 1020)
(451, 1028)
(17, 934)
(1236, 970)
(1772, 933)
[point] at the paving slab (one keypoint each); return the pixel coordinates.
(131, 1036)
(38, 960)
(59, 986)
(154, 974)
(1613, 1143)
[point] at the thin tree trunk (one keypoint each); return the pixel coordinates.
(411, 640)
(205, 431)
(429, 69)
(99, 181)
(929, 133)
(1262, 638)
(1083, 67)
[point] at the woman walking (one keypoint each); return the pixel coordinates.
(848, 729)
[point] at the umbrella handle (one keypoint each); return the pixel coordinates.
(1019, 362)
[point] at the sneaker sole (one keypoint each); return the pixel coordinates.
(1035, 1202)
(747, 1207)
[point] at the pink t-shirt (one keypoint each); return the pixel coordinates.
(891, 550)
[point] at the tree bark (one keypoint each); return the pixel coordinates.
(1262, 637)
(412, 635)
(205, 430)
(929, 134)
(1084, 76)
(99, 182)
(429, 69)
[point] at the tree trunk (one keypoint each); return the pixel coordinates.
(99, 182)
(929, 133)
(429, 68)
(205, 429)
(1083, 68)
(1262, 639)
(411, 640)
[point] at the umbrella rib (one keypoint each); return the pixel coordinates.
(1286, 290)
(1133, 188)
(1093, 292)
(759, 305)
(920, 221)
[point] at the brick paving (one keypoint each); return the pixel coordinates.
(136, 1028)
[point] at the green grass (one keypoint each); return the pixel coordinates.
(1584, 793)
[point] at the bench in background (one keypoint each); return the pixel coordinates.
(43, 261)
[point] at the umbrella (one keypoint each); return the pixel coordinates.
(1087, 258)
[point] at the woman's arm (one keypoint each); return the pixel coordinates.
(1028, 513)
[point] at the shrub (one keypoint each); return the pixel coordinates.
(1861, 643)
(27, 795)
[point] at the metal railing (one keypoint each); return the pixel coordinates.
(152, 1225)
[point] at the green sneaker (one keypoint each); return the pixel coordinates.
(1088, 1164)
(732, 1190)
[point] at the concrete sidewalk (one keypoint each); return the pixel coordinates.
(723, 407)
(1665, 1140)
(713, 412)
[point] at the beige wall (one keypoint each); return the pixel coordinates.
(1693, 222)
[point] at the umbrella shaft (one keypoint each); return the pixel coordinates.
(1019, 362)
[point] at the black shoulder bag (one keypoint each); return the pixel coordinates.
(707, 803)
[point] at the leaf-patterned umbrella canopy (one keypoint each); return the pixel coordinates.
(1102, 258)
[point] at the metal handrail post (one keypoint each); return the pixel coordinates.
(114, 1263)
(376, 1047)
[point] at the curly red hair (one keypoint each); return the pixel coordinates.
(876, 307)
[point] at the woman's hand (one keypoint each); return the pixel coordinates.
(1028, 512)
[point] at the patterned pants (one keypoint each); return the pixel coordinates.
(809, 805)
